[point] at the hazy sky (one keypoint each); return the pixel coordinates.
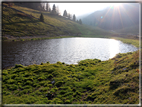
(81, 8)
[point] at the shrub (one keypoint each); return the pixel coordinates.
(42, 63)
(18, 65)
(59, 63)
(41, 18)
(48, 62)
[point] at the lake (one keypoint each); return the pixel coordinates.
(68, 50)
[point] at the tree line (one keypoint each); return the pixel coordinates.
(55, 10)
(46, 7)
(69, 16)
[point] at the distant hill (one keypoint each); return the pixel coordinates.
(130, 30)
(114, 18)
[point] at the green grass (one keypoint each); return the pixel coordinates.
(91, 81)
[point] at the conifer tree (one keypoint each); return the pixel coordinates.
(80, 22)
(54, 9)
(47, 7)
(74, 17)
(77, 21)
(41, 18)
(65, 13)
(69, 16)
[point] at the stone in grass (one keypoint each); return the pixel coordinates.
(49, 95)
(124, 69)
(52, 82)
(112, 72)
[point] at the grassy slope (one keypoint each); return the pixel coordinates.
(16, 25)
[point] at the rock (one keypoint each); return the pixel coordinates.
(112, 72)
(124, 69)
(52, 82)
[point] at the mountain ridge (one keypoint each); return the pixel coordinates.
(113, 18)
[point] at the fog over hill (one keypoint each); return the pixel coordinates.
(113, 18)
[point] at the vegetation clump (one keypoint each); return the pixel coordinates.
(41, 18)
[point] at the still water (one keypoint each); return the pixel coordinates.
(68, 50)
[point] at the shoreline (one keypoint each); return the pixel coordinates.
(8, 38)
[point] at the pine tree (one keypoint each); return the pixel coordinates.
(77, 21)
(69, 16)
(47, 7)
(74, 17)
(54, 9)
(80, 22)
(65, 13)
(41, 18)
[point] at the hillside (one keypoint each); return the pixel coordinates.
(21, 21)
(114, 18)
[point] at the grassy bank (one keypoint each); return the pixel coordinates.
(91, 81)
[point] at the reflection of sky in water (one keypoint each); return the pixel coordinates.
(113, 48)
(68, 50)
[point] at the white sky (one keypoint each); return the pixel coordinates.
(81, 8)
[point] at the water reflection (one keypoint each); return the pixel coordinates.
(68, 50)
(113, 48)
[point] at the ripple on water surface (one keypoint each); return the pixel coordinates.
(68, 50)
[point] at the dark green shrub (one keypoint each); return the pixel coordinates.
(48, 62)
(41, 18)
(59, 63)
(42, 63)
(18, 65)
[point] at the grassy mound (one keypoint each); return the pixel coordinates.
(91, 81)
